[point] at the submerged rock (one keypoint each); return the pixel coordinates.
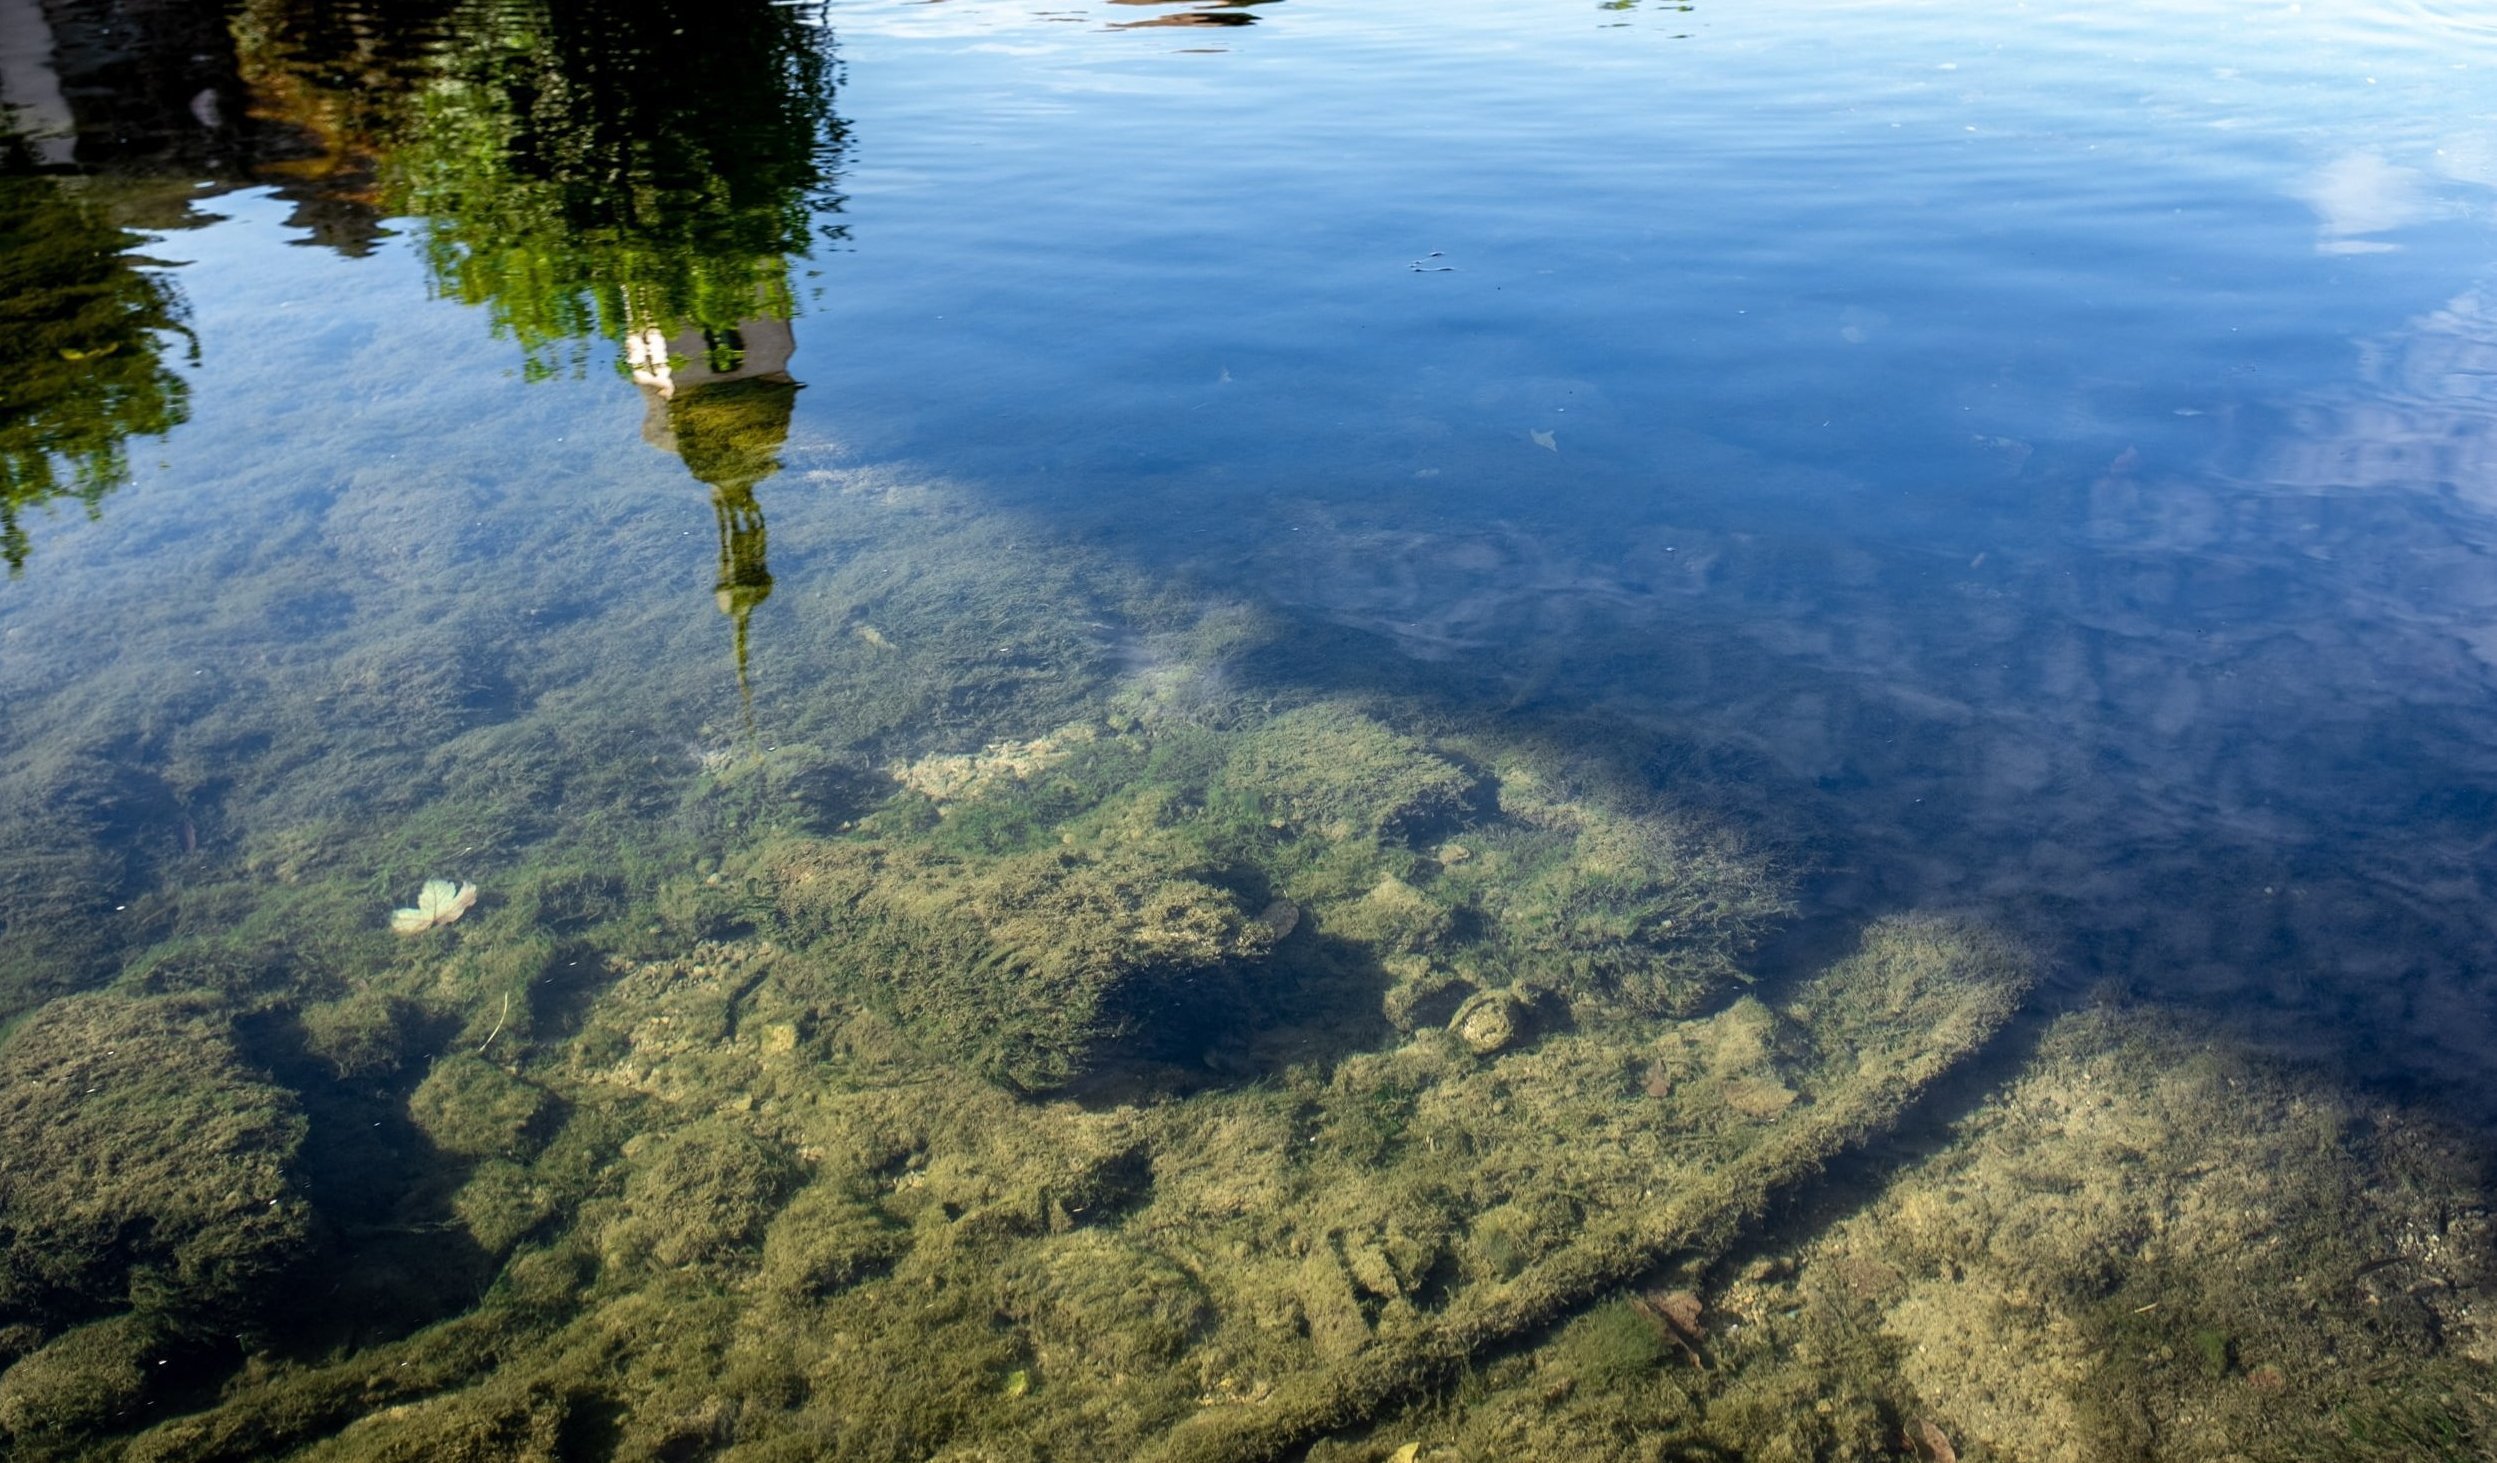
(894, 1191)
(1333, 771)
(143, 1166)
(1423, 996)
(2146, 1244)
(1031, 969)
(1489, 1022)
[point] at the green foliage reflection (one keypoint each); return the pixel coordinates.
(588, 171)
(82, 335)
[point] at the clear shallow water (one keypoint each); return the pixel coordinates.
(2032, 461)
(2046, 445)
(2035, 431)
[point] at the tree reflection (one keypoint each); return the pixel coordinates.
(637, 173)
(627, 175)
(329, 91)
(588, 171)
(83, 329)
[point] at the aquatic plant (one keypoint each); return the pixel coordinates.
(2042, 1288)
(145, 1169)
(1336, 772)
(1029, 969)
(1219, 1272)
(1114, 1072)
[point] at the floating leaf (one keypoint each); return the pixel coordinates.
(441, 902)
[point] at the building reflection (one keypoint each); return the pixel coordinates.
(721, 400)
(521, 144)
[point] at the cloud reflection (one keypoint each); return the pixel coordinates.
(2359, 195)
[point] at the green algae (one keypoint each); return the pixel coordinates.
(799, 1223)
(1085, 1093)
(1035, 1041)
(1022, 970)
(865, 1097)
(1197, 1278)
(2146, 1245)
(1091, 1074)
(1328, 769)
(143, 1165)
(88, 1380)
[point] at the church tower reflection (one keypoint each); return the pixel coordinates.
(721, 400)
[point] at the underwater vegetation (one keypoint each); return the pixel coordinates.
(148, 1202)
(1070, 1050)
(1163, 1086)
(2147, 1245)
(146, 1164)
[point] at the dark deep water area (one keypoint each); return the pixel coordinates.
(1247, 728)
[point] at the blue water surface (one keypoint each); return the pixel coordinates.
(2045, 446)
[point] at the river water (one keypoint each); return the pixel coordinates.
(2032, 462)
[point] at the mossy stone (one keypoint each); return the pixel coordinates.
(1115, 1305)
(85, 1380)
(1489, 1022)
(363, 1035)
(699, 1194)
(470, 1107)
(827, 1239)
(1030, 969)
(1341, 773)
(143, 1163)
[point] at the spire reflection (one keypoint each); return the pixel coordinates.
(614, 182)
(720, 400)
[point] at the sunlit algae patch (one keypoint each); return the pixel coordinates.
(2146, 1246)
(1155, 1088)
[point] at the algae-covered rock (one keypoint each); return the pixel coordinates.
(1551, 1124)
(1028, 969)
(1488, 1022)
(1340, 773)
(1620, 907)
(363, 1035)
(143, 1165)
(484, 1424)
(1424, 995)
(1393, 918)
(2149, 1226)
(698, 1194)
(947, 777)
(2148, 1245)
(67, 858)
(501, 1202)
(1056, 1117)
(1093, 1300)
(471, 1107)
(826, 1239)
(1225, 1274)
(88, 1379)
